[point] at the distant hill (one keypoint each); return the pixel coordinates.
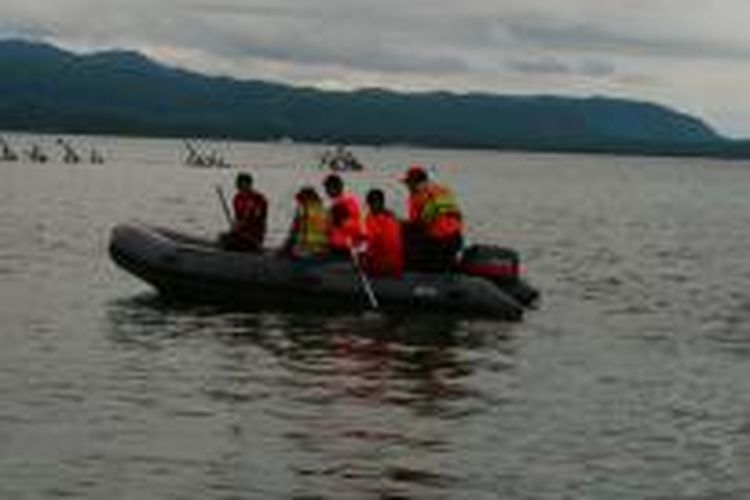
(46, 89)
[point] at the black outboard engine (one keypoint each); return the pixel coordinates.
(502, 266)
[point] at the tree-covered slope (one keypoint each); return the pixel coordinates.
(47, 89)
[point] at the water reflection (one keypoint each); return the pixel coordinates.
(356, 403)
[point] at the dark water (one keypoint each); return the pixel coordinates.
(631, 382)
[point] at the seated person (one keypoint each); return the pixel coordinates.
(345, 225)
(384, 251)
(308, 234)
(434, 230)
(250, 214)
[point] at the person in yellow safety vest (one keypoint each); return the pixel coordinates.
(308, 234)
(434, 229)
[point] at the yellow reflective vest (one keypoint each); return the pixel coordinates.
(310, 230)
(436, 209)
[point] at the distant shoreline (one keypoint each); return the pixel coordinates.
(725, 150)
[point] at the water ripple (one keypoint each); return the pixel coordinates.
(630, 380)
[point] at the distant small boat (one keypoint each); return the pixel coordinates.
(340, 159)
(198, 270)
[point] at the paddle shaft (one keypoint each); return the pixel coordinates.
(364, 280)
(224, 205)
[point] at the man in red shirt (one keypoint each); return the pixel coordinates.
(250, 214)
(384, 255)
(345, 223)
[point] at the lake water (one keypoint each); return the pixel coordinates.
(632, 381)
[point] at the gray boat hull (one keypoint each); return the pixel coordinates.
(195, 269)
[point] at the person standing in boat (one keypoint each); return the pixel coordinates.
(250, 214)
(344, 217)
(434, 229)
(308, 234)
(384, 254)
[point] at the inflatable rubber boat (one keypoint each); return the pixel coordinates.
(487, 283)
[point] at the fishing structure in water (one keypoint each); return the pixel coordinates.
(7, 152)
(69, 154)
(197, 158)
(36, 154)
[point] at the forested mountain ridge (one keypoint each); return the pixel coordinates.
(47, 89)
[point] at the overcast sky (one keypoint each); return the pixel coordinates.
(693, 55)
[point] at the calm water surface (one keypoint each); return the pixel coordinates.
(632, 381)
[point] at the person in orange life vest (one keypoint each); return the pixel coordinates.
(250, 213)
(345, 223)
(434, 229)
(384, 255)
(308, 234)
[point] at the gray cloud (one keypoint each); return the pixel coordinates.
(326, 35)
(540, 66)
(598, 68)
(554, 66)
(314, 42)
(586, 37)
(23, 28)
(382, 59)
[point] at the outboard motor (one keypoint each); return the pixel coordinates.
(502, 266)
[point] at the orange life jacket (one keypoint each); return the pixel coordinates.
(385, 250)
(345, 224)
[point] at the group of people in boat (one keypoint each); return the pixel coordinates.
(428, 240)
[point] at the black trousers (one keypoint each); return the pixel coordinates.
(238, 242)
(426, 254)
